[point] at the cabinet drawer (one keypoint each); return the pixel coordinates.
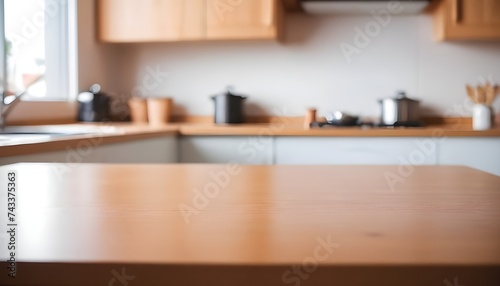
(225, 149)
(356, 151)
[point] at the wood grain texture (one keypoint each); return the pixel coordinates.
(276, 126)
(243, 20)
(440, 223)
(283, 128)
(467, 20)
(292, 6)
(248, 119)
(129, 21)
(296, 120)
(123, 21)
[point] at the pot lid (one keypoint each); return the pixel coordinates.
(230, 91)
(400, 96)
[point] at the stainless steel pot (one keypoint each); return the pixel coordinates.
(400, 111)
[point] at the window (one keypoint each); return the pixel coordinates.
(40, 49)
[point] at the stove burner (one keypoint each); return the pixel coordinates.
(403, 124)
(316, 124)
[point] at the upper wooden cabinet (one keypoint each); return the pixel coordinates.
(243, 19)
(150, 20)
(127, 21)
(467, 20)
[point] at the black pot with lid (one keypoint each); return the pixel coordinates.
(229, 107)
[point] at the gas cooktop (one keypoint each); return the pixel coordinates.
(367, 124)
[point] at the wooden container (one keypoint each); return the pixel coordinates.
(309, 118)
(159, 110)
(138, 110)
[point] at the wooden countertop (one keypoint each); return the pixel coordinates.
(131, 132)
(294, 126)
(256, 223)
(121, 133)
(461, 130)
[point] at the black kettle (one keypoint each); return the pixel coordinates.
(228, 107)
(93, 105)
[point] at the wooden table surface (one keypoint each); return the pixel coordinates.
(253, 224)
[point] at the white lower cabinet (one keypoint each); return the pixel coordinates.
(68, 156)
(161, 150)
(356, 151)
(252, 150)
(148, 151)
(478, 153)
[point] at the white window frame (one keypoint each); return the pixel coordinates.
(63, 49)
(62, 106)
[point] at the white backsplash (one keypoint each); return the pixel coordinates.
(310, 70)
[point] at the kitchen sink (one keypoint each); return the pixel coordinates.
(58, 130)
(24, 138)
(29, 134)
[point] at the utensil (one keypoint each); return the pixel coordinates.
(340, 118)
(95, 88)
(228, 107)
(93, 105)
(310, 117)
(138, 110)
(481, 117)
(159, 110)
(400, 111)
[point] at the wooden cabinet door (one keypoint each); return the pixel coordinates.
(242, 19)
(150, 20)
(492, 12)
(468, 20)
(477, 12)
(193, 20)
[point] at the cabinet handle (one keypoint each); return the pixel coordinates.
(458, 11)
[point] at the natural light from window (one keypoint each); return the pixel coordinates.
(38, 47)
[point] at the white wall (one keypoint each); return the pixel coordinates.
(309, 68)
(96, 61)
